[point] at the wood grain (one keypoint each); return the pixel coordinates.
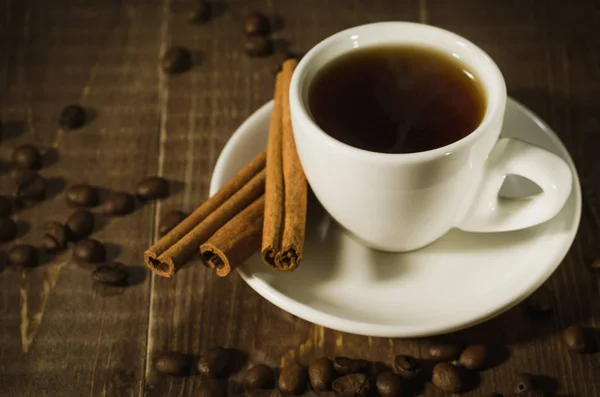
(547, 63)
(60, 336)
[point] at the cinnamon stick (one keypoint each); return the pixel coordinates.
(169, 253)
(235, 242)
(273, 217)
(285, 186)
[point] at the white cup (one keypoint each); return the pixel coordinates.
(401, 202)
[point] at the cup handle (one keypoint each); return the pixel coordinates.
(491, 213)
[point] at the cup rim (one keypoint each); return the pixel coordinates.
(495, 100)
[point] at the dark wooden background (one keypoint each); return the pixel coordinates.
(60, 336)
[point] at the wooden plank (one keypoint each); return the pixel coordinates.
(196, 310)
(551, 65)
(58, 335)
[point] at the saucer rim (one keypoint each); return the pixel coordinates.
(332, 321)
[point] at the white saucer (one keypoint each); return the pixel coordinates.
(460, 280)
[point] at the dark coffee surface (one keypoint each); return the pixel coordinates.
(396, 99)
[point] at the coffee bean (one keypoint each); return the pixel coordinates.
(524, 382)
(345, 365)
(595, 264)
(153, 188)
(172, 363)
(80, 224)
(200, 13)
(407, 367)
(259, 377)
(352, 385)
(72, 117)
(23, 255)
(90, 251)
(113, 275)
(578, 339)
(541, 301)
(474, 357)
(55, 237)
(258, 46)
(389, 385)
(8, 229)
(215, 362)
(82, 196)
(212, 388)
(321, 374)
(445, 351)
(169, 221)
(5, 207)
(30, 186)
(119, 203)
(27, 157)
(256, 24)
(292, 379)
(176, 60)
(447, 377)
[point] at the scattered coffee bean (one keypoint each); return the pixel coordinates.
(113, 275)
(23, 255)
(215, 362)
(212, 388)
(259, 377)
(30, 186)
(80, 224)
(474, 357)
(27, 157)
(200, 13)
(345, 365)
(119, 203)
(5, 207)
(292, 379)
(90, 251)
(8, 229)
(524, 382)
(82, 196)
(321, 374)
(389, 385)
(256, 24)
(169, 221)
(72, 117)
(595, 264)
(445, 352)
(407, 367)
(176, 60)
(352, 385)
(447, 377)
(258, 46)
(153, 188)
(55, 237)
(578, 339)
(541, 301)
(172, 363)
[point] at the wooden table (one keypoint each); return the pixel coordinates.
(60, 336)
